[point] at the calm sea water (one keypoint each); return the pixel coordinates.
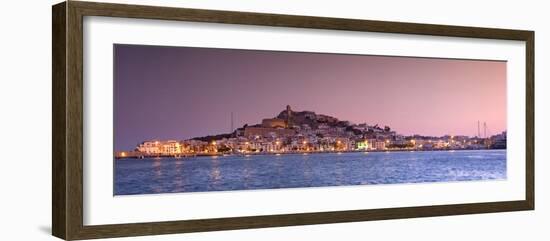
(199, 174)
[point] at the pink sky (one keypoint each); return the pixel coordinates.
(181, 92)
(422, 96)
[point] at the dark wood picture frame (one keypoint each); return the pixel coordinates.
(67, 125)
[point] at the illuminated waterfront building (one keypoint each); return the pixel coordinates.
(150, 147)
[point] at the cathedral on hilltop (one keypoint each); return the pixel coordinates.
(278, 126)
(279, 122)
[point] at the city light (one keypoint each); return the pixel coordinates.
(319, 138)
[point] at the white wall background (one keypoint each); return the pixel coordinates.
(25, 119)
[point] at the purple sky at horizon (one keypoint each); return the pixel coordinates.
(183, 92)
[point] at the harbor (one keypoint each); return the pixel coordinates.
(247, 172)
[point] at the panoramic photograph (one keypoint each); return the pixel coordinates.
(190, 119)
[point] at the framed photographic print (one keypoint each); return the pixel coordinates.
(171, 120)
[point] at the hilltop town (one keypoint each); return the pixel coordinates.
(308, 132)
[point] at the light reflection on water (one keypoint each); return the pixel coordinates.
(215, 174)
(198, 174)
(178, 178)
